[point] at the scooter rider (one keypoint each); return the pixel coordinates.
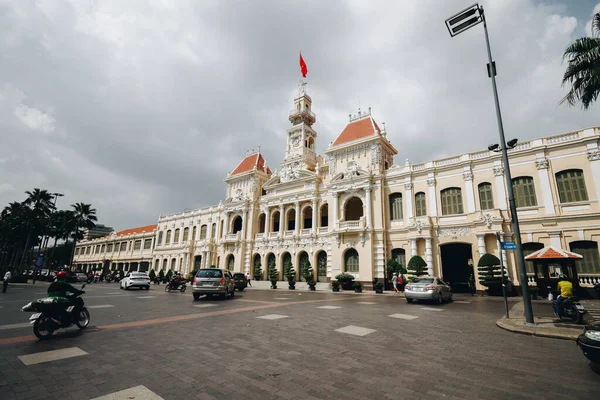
(60, 288)
(565, 287)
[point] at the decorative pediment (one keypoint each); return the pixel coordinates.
(290, 175)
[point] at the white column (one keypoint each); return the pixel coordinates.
(408, 200)
(555, 239)
(314, 216)
(500, 200)
(297, 223)
(413, 247)
(335, 211)
(267, 221)
(208, 230)
(429, 256)
(243, 234)
(593, 156)
(433, 211)
(368, 199)
(281, 220)
(542, 167)
(468, 177)
(481, 244)
(225, 225)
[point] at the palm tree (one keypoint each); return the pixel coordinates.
(39, 202)
(84, 217)
(13, 228)
(583, 71)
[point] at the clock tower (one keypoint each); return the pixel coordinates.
(301, 152)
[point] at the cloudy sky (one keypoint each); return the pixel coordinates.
(141, 108)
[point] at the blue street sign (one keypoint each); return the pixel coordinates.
(509, 246)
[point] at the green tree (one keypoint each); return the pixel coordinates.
(257, 272)
(490, 270)
(40, 207)
(417, 266)
(394, 266)
(169, 275)
(84, 217)
(288, 271)
(152, 275)
(583, 69)
(161, 275)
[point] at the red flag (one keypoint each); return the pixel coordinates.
(303, 68)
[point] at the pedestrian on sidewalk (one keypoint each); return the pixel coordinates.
(401, 282)
(248, 278)
(395, 282)
(472, 284)
(7, 278)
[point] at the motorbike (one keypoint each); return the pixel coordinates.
(171, 285)
(53, 313)
(572, 309)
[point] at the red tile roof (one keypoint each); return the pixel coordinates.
(250, 162)
(357, 130)
(147, 228)
(552, 253)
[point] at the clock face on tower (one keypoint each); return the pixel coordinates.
(296, 142)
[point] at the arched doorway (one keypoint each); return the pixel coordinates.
(198, 262)
(291, 220)
(237, 224)
(230, 262)
(399, 255)
(455, 265)
(303, 263)
(353, 209)
(351, 264)
(255, 263)
(271, 263)
(285, 259)
(322, 266)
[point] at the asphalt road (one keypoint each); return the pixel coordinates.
(283, 344)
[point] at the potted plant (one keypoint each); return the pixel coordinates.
(378, 287)
(273, 276)
(345, 280)
(290, 274)
(312, 285)
(335, 286)
(417, 266)
(490, 273)
(308, 276)
(257, 272)
(161, 275)
(357, 286)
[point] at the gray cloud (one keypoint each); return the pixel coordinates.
(142, 108)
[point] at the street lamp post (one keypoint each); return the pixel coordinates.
(459, 23)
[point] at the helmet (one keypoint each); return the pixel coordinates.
(61, 275)
(562, 277)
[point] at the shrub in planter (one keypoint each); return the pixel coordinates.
(417, 266)
(290, 274)
(161, 275)
(257, 272)
(345, 280)
(358, 287)
(152, 275)
(273, 276)
(378, 287)
(490, 273)
(312, 285)
(335, 286)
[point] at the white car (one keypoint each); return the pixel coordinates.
(135, 279)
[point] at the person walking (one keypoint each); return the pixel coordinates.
(7, 278)
(472, 284)
(395, 282)
(248, 278)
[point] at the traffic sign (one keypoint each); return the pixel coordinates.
(509, 246)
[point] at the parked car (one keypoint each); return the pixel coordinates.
(80, 277)
(213, 281)
(240, 281)
(140, 280)
(428, 288)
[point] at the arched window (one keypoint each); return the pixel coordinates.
(168, 238)
(164, 265)
(160, 238)
(324, 214)
(176, 236)
(351, 261)
(261, 223)
(395, 206)
(230, 262)
(451, 201)
(571, 186)
(400, 256)
(307, 217)
(186, 233)
(237, 224)
(276, 217)
(194, 233)
(173, 264)
(524, 191)
(203, 232)
(420, 206)
(486, 198)
(590, 264)
(291, 220)
(213, 231)
(354, 209)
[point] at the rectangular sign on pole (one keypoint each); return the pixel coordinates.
(509, 246)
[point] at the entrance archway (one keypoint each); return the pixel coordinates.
(230, 262)
(303, 263)
(271, 263)
(322, 266)
(197, 262)
(455, 265)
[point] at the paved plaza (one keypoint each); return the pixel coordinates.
(282, 344)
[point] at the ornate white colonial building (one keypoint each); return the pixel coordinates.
(352, 208)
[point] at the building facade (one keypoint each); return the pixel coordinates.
(352, 208)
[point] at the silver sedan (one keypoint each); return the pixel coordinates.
(428, 288)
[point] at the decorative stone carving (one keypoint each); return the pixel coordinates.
(498, 171)
(593, 155)
(454, 232)
(352, 170)
(488, 220)
(431, 182)
(239, 195)
(376, 153)
(468, 176)
(288, 174)
(419, 225)
(541, 163)
(362, 238)
(408, 186)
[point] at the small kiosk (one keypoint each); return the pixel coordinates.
(549, 263)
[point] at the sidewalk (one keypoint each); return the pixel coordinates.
(544, 326)
(321, 287)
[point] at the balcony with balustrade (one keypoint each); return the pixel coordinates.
(355, 225)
